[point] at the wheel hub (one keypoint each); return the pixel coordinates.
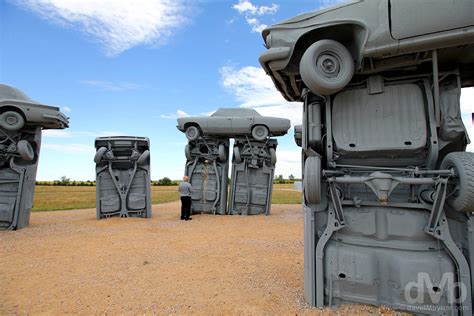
(329, 65)
(12, 120)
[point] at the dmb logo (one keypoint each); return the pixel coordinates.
(415, 292)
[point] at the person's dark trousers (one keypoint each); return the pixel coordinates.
(185, 207)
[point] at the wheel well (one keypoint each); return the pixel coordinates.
(352, 36)
(192, 124)
(260, 125)
(4, 109)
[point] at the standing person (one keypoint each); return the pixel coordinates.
(185, 189)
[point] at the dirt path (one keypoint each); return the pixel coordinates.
(67, 261)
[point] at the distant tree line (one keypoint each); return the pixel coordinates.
(65, 181)
(280, 180)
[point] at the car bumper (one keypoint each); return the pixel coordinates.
(58, 121)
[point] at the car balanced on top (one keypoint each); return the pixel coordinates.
(232, 122)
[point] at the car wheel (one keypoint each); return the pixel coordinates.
(12, 121)
(463, 182)
(237, 158)
(326, 67)
(260, 132)
(99, 154)
(144, 157)
(187, 152)
(222, 153)
(312, 180)
(273, 155)
(25, 150)
(192, 133)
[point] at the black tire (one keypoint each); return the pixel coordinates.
(192, 133)
(12, 121)
(237, 157)
(187, 152)
(463, 165)
(144, 157)
(326, 67)
(273, 155)
(99, 154)
(222, 153)
(25, 150)
(312, 180)
(260, 132)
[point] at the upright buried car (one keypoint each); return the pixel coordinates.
(21, 123)
(388, 187)
(233, 122)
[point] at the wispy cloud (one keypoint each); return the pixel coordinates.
(117, 25)
(178, 114)
(252, 88)
(57, 133)
(251, 11)
(112, 86)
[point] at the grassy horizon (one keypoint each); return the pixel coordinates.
(54, 198)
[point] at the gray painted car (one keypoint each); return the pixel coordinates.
(234, 122)
(123, 176)
(18, 110)
(323, 50)
(21, 123)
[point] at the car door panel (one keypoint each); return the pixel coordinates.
(419, 17)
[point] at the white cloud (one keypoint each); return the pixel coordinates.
(57, 133)
(70, 148)
(180, 113)
(254, 89)
(111, 86)
(177, 115)
(288, 162)
(117, 25)
(245, 6)
(251, 11)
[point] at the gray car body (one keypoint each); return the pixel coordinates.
(380, 34)
(48, 117)
(233, 122)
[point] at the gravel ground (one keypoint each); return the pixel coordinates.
(68, 262)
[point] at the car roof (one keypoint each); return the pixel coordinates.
(235, 112)
(8, 93)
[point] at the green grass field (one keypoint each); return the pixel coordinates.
(52, 198)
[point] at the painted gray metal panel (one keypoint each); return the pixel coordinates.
(360, 249)
(390, 122)
(208, 174)
(411, 18)
(252, 177)
(123, 177)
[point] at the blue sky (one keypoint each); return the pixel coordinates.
(133, 67)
